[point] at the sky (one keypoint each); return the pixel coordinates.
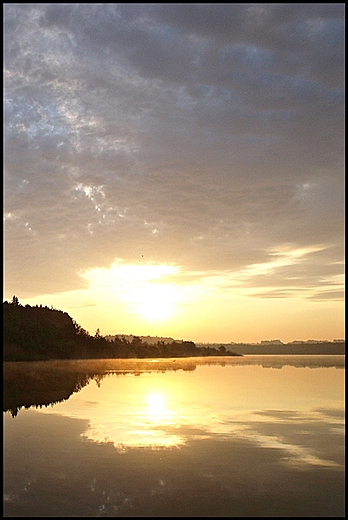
(177, 169)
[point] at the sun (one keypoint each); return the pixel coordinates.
(156, 302)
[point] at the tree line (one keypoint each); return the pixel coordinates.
(35, 333)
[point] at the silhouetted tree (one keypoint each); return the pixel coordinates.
(15, 300)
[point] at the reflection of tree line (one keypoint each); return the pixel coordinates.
(42, 333)
(44, 383)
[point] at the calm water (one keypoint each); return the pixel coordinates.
(243, 436)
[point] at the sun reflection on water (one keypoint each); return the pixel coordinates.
(157, 409)
(156, 405)
(146, 422)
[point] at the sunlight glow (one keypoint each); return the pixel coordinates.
(147, 289)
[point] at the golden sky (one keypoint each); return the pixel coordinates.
(177, 169)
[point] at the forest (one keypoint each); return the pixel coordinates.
(41, 333)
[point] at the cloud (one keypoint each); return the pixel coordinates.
(204, 135)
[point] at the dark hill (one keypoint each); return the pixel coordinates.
(36, 333)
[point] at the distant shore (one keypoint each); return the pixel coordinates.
(305, 348)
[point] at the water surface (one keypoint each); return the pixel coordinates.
(243, 436)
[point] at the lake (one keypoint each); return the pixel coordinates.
(224, 436)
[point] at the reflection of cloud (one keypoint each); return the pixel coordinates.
(221, 477)
(140, 436)
(298, 435)
(145, 427)
(151, 424)
(290, 453)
